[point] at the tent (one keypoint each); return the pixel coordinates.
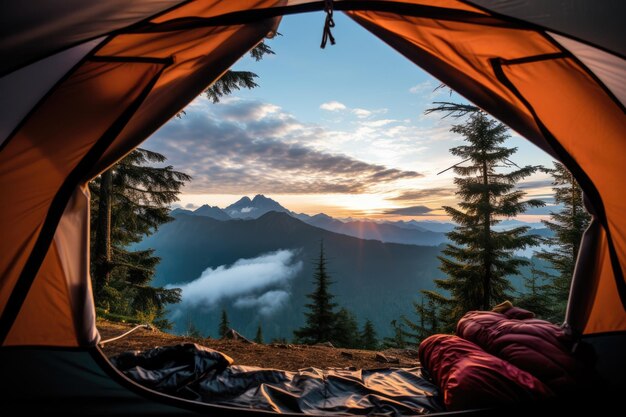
(83, 82)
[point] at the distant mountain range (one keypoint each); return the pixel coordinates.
(413, 232)
(373, 277)
(377, 281)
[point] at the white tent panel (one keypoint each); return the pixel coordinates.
(45, 27)
(22, 90)
(610, 69)
(578, 18)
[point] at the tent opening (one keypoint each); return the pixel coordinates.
(82, 93)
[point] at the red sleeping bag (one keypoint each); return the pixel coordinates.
(535, 346)
(469, 377)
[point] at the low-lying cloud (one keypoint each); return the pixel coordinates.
(268, 273)
(266, 304)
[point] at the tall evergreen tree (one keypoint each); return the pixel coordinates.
(258, 338)
(398, 340)
(345, 333)
(536, 297)
(321, 317)
(130, 201)
(369, 338)
(568, 226)
(224, 326)
(479, 261)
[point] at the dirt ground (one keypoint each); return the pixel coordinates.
(278, 356)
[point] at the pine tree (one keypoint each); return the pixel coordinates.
(568, 226)
(369, 338)
(398, 340)
(536, 297)
(224, 326)
(130, 201)
(345, 333)
(426, 325)
(479, 261)
(235, 80)
(259, 335)
(321, 317)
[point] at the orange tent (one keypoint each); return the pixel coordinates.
(84, 82)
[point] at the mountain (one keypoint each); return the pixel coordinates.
(213, 212)
(508, 224)
(377, 281)
(178, 211)
(253, 209)
(385, 232)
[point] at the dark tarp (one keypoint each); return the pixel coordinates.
(197, 373)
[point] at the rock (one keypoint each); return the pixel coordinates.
(347, 355)
(235, 335)
(325, 344)
(386, 359)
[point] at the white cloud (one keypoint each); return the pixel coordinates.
(266, 304)
(333, 106)
(422, 87)
(361, 113)
(241, 280)
(378, 123)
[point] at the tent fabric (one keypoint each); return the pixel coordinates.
(471, 378)
(555, 81)
(507, 70)
(201, 374)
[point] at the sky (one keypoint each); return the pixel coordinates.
(340, 131)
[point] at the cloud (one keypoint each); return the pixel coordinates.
(422, 87)
(266, 304)
(336, 106)
(260, 148)
(423, 194)
(411, 211)
(241, 280)
(378, 123)
(361, 113)
(190, 206)
(332, 106)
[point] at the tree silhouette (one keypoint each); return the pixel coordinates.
(129, 201)
(568, 226)
(345, 333)
(398, 340)
(258, 338)
(368, 337)
(426, 324)
(321, 317)
(224, 325)
(536, 298)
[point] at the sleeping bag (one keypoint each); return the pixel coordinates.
(535, 346)
(470, 378)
